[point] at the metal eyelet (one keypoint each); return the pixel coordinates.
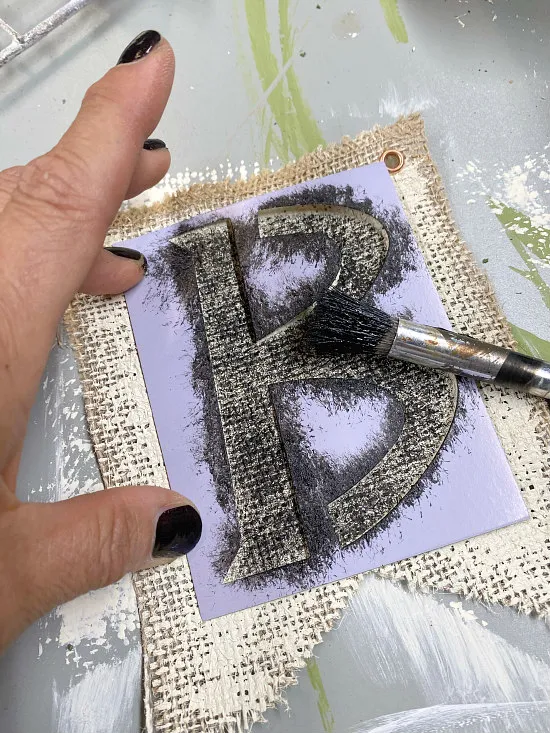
(394, 160)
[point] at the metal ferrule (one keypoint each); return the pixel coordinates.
(441, 349)
(540, 382)
(452, 352)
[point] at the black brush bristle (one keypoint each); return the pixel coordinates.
(340, 323)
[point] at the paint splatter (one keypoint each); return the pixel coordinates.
(519, 198)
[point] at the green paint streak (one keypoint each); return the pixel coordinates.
(267, 68)
(394, 21)
(298, 133)
(530, 344)
(529, 241)
(327, 718)
(310, 133)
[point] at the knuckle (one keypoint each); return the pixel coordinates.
(52, 188)
(100, 95)
(115, 536)
(103, 101)
(10, 301)
(8, 182)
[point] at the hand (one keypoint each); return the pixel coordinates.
(54, 214)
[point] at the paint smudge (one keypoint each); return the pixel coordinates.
(531, 344)
(347, 26)
(531, 242)
(99, 616)
(394, 20)
(411, 641)
(314, 674)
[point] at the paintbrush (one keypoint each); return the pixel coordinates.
(342, 324)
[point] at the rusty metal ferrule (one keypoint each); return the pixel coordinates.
(452, 352)
(441, 349)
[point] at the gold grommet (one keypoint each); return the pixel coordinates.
(394, 160)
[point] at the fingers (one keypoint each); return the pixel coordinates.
(50, 553)
(55, 220)
(112, 274)
(65, 200)
(115, 270)
(151, 168)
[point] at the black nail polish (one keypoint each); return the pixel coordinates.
(154, 143)
(178, 531)
(139, 47)
(129, 254)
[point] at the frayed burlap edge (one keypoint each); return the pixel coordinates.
(221, 675)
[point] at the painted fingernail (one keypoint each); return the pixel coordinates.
(139, 47)
(129, 254)
(154, 143)
(178, 531)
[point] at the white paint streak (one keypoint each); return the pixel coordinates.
(522, 717)
(102, 702)
(414, 644)
(393, 105)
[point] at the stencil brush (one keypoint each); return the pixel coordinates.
(342, 324)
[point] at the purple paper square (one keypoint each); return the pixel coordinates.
(473, 491)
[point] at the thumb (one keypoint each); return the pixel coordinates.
(51, 553)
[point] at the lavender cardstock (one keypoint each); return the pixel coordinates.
(470, 492)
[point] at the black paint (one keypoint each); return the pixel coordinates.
(518, 369)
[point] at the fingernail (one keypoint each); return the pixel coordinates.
(139, 47)
(178, 531)
(129, 254)
(153, 143)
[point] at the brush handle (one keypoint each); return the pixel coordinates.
(453, 352)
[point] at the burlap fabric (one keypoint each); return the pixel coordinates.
(221, 675)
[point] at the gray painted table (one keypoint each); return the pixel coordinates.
(478, 70)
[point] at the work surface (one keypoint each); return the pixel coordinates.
(478, 71)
